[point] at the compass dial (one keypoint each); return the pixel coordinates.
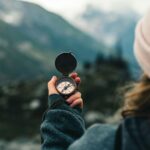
(66, 86)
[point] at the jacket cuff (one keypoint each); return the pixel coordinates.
(55, 100)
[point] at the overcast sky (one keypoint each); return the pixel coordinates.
(70, 8)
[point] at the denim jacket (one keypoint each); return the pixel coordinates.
(63, 128)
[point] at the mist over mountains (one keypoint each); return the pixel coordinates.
(31, 37)
(115, 29)
(106, 26)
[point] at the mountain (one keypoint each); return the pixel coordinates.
(127, 46)
(31, 37)
(115, 29)
(106, 26)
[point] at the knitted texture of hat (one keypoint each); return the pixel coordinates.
(142, 43)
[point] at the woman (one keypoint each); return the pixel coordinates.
(63, 126)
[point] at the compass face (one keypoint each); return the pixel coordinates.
(66, 86)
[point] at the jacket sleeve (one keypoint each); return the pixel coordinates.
(61, 124)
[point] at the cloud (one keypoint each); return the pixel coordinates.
(70, 8)
(12, 17)
(67, 8)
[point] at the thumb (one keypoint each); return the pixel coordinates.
(51, 86)
(53, 80)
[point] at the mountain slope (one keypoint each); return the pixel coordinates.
(106, 26)
(31, 37)
(116, 29)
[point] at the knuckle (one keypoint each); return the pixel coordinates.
(48, 83)
(80, 100)
(79, 94)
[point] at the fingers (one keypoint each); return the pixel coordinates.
(53, 80)
(77, 95)
(76, 78)
(75, 99)
(77, 102)
(51, 86)
(74, 75)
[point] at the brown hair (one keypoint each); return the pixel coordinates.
(137, 98)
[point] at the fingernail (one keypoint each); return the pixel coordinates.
(68, 100)
(54, 77)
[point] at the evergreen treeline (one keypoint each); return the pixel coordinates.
(23, 103)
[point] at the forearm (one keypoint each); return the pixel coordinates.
(61, 125)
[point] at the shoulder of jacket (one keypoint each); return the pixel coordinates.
(102, 128)
(98, 136)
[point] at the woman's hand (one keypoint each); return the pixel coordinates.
(73, 100)
(51, 86)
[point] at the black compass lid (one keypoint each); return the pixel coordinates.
(66, 63)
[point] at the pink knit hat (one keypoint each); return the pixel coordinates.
(142, 43)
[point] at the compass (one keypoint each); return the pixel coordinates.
(66, 63)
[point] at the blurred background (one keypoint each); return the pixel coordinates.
(32, 33)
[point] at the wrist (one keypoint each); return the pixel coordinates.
(57, 101)
(51, 92)
(54, 100)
